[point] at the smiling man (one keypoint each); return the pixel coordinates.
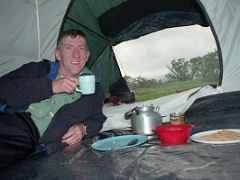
(40, 104)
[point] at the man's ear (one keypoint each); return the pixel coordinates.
(57, 54)
(88, 55)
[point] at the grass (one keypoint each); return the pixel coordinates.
(149, 93)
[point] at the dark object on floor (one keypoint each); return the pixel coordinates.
(217, 111)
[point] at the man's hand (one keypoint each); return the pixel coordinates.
(65, 85)
(74, 134)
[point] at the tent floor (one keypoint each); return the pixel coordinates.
(148, 161)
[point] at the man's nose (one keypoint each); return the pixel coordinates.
(76, 53)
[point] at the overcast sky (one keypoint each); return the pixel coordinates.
(148, 56)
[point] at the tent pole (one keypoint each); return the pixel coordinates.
(38, 30)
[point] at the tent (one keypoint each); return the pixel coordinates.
(29, 32)
(30, 29)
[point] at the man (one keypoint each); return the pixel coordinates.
(40, 105)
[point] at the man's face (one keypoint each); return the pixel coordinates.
(72, 54)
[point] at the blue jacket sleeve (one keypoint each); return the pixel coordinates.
(26, 85)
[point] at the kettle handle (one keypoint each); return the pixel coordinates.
(157, 108)
(128, 114)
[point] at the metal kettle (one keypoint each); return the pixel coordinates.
(144, 119)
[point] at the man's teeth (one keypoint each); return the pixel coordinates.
(75, 62)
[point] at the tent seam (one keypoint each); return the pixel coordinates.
(38, 30)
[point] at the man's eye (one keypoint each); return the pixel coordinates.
(68, 47)
(82, 48)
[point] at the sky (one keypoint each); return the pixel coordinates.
(150, 55)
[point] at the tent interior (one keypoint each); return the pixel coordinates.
(31, 28)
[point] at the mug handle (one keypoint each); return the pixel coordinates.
(78, 90)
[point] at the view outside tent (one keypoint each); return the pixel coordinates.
(169, 61)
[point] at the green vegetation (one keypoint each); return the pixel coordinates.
(149, 93)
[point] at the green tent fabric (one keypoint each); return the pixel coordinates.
(83, 15)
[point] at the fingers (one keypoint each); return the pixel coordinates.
(65, 84)
(73, 135)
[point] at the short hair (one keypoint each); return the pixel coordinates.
(71, 32)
